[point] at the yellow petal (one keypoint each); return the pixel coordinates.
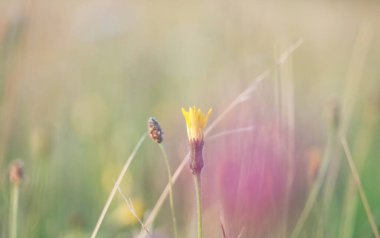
(195, 122)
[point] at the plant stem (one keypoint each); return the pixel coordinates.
(117, 184)
(197, 183)
(355, 175)
(133, 211)
(312, 198)
(13, 213)
(170, 189)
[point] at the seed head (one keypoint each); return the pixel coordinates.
(155, 131)
(16, 172)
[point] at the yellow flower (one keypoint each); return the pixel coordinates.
(122, 215)
(196, 122)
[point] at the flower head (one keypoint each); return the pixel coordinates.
(195, 122)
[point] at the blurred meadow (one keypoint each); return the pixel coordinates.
(79, 80)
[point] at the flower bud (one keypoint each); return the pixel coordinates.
(195, 122)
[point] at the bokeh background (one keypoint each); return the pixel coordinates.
(79, 79)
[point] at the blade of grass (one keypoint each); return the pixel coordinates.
(229, 132)
(131, 208)
(316, 186)
(354, 77)
(359, 186)
(363, 142)
(117, 184)
(171, 196)
(352, 87)
(285, 120)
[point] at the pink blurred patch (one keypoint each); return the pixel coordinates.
(245, 173)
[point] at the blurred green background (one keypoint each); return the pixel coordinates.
(79, 79)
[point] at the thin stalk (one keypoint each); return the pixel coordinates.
(133, 211)
(170, 189)
(285, 117)
(316, 186)
(223, 230)
(359, 185)
(198, 194)
(363, 143)
(14, 211)
(229, 132)
(353, 86)
(117, 184)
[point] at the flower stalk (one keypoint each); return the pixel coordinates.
(16, 175)
(196, 122)
(14, 211)
(156, 134)
(171, 196)
(198, 194)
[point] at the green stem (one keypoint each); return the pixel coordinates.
(313, 195)
(170, 189)
(13, 213)
(356, 177)
(197, 183)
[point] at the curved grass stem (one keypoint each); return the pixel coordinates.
(171, 197)
(117, 184)
(316, 187)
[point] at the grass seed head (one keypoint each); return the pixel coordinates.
(155, 131)
(16, 172)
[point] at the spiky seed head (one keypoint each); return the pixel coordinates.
(155, 131)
